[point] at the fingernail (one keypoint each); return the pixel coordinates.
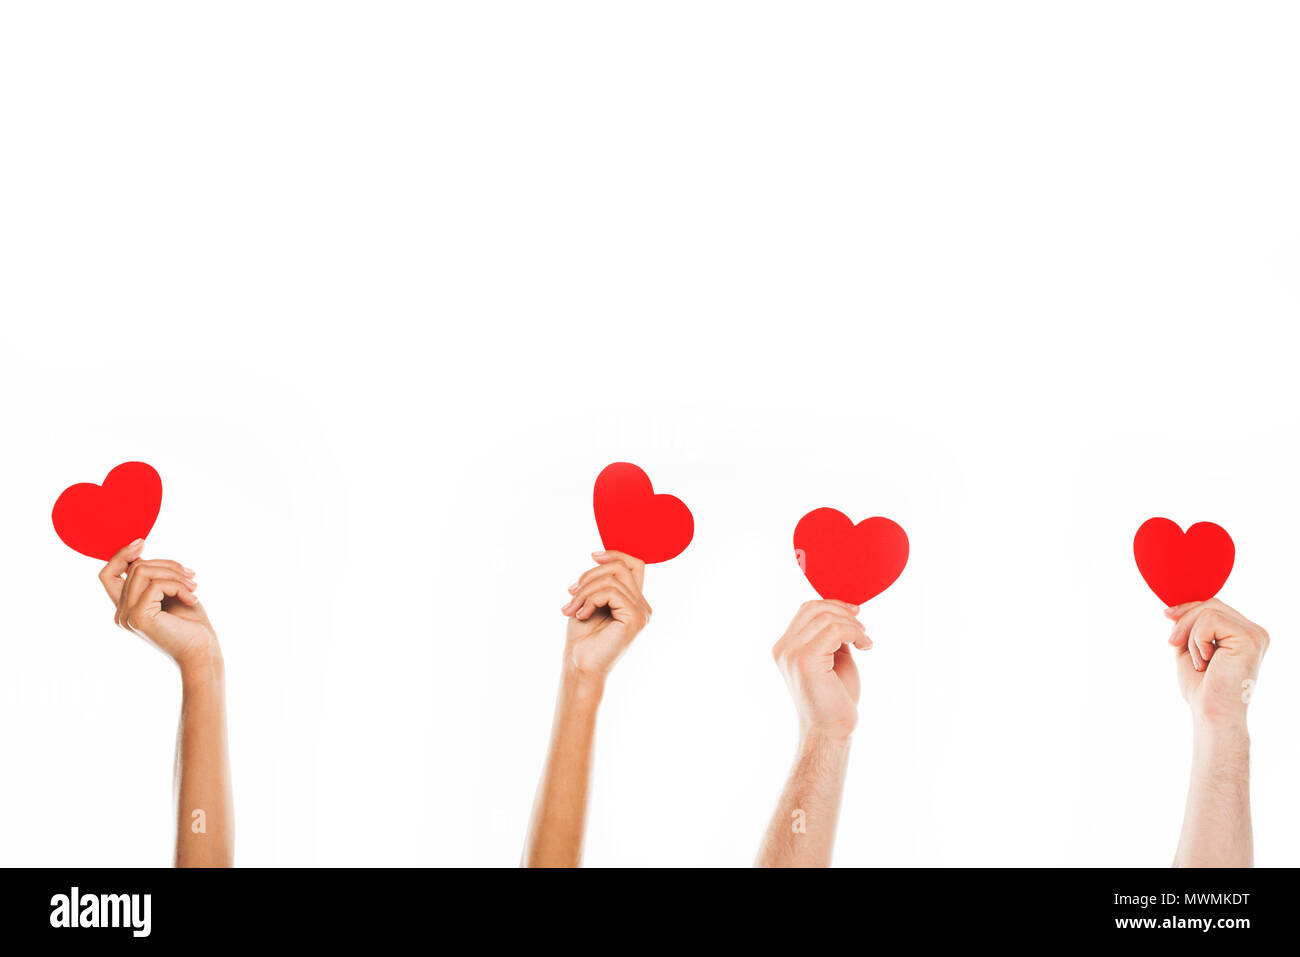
(599, 554)
(573, 587)
(188, 571)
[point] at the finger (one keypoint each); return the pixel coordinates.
(842, 663)
(631, 562)
(1180, 637)
(576, 601)
(793, 642)
(1202, 628)
(1183, 626)
(110, 576)
(832, 638)
(165, 565)
(1202, 638)
(824, 620)
(1196, 651)
(1214, 604)
(141, 574)
(135, 593)
(600, 596)
(861, 641)
(811, 617)
(1209, 604)
(1177, 611)
(148, 601)
(580, 595)
(597, 584)
(613, 597)
(810, 609)
(610, 595)
(161, 588)
(616, 570)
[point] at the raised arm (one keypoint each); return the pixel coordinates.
(606, 611)
(156, 600)
(1218, 658)
(818, 666)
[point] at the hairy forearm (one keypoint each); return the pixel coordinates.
(205, 822)
(559, 817)
(802, 832)
(1216, 822)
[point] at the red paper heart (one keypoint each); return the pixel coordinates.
(633, 519)
(852, 563)
(1183, 567)
(100, 520)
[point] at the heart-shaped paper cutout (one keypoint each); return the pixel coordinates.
(852, 563)
(1183, 567)
(100, 520)
(631, 518)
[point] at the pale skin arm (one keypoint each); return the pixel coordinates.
(814, 656)
(156, 600)
(1218, 654)
(606, 611)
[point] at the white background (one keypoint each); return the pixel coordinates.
(379, 288)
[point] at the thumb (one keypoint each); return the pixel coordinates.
(110, 576)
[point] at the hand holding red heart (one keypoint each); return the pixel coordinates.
(844, 562)
(606, 611)
(155, 599)
(818, 667)
(1219, 652)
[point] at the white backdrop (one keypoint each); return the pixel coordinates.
(380, 288)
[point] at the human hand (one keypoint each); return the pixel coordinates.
(606, 611)
(818, 666)
(155, 599)
(1218, 657)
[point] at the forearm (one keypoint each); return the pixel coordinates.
(1216, 822)
(802, 831)
(205, 823)
(559, 817)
